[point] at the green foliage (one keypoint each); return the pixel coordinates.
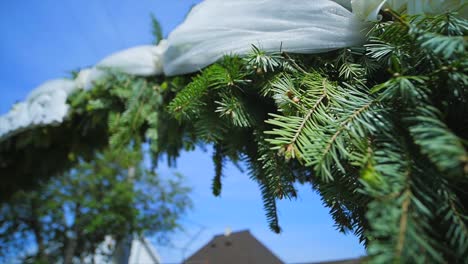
(218, 160)
(445, 149)
(70, 216)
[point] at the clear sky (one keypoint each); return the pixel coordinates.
(46, 39)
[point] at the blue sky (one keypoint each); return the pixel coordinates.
(42, 40)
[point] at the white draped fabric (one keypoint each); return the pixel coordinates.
(140, 61)
(218, 27)
(45, 105)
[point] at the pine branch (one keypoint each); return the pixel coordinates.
(208, 127)
(232, 108)
(401, 216)
(268, 197)
(355, 116)
(458, 232)
(218, 160)
(188, 102)
(435, 139)
(157, 30)
(291, 132)
(409, 89)
(263, 62)
(403, 225)
(448, 47)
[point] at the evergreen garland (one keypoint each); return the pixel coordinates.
(380, 131)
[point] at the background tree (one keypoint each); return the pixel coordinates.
(70, 216)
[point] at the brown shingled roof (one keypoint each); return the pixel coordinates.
(344, 261)
(238, 247)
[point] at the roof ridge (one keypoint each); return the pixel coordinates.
(233, 233)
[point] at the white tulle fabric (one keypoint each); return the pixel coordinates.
(218, 27)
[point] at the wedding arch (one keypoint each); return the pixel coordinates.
(366, 101)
